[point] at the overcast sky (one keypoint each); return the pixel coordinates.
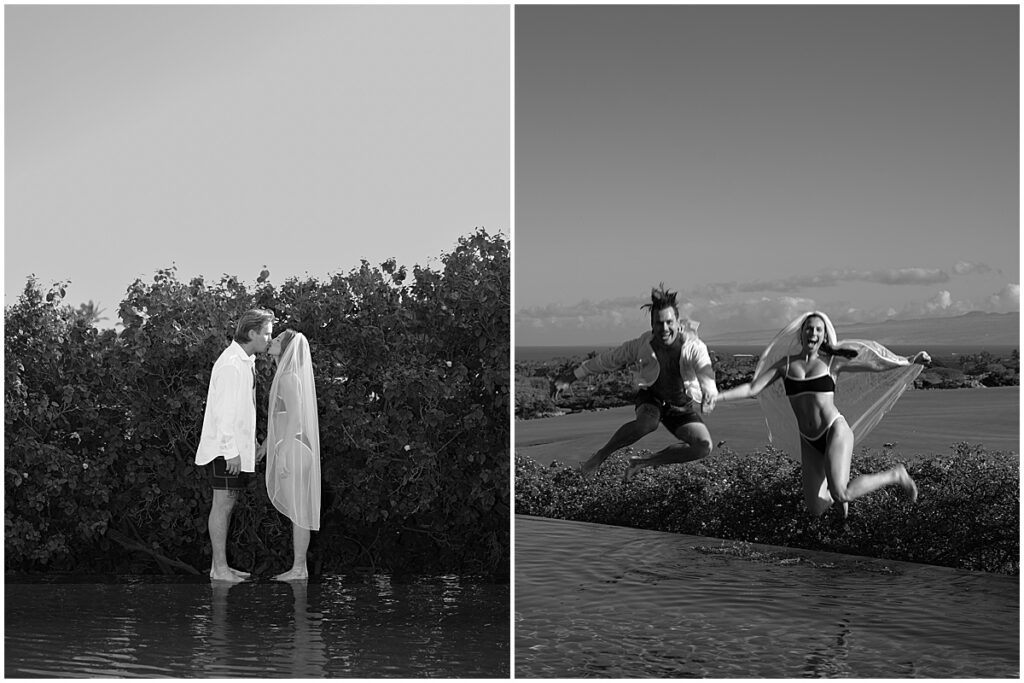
(223, 138)
(763, 160)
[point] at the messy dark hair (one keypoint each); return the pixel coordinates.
(661, 299)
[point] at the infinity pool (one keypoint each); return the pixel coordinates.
(594, 600)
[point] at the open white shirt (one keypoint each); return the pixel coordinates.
(229, 424)
(694, 363)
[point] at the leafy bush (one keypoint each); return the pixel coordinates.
(965, 517)
(413, 392)
(63, 429)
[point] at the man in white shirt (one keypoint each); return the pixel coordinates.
(228, 440)
(674, 376)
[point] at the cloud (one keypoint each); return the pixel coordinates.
(940, 302)
(966, 268)
(1006, 300)
(725, 313)
(829, 278)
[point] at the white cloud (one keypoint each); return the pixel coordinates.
(939, 302)
(1005, 300)
(966, 268)
(619, 319)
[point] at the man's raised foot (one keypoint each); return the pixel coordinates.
(633, 465)
(588, 468)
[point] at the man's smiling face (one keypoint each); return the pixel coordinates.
(665, 325)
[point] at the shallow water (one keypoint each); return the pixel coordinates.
(594, 600)
(378, 627)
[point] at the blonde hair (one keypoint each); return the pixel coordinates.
(253, 319)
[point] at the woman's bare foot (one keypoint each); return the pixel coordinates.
(293, 574)
(633, 465)
(906, 482)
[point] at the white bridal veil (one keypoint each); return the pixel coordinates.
(862, 397)
(293, 438)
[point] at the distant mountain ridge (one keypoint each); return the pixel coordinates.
(973, 329)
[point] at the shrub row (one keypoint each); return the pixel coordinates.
(965, 517)
(412, 382)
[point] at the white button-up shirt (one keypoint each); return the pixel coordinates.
(229, 424)
(694, 363)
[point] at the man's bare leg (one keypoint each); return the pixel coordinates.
(647, 419)
(220, 519)
(300, 543)
(694, 444)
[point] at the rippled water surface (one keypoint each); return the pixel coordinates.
(594, 600)
(334, 627)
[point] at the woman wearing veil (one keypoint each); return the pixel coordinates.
(815, 412)
(293, 445)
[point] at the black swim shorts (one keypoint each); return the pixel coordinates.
(672, 416)
(220, 478)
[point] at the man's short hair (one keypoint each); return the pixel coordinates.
(253, 319)
(661, 299)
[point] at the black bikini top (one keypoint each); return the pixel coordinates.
(822, 384)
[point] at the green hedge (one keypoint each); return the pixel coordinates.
(966, 515)
(413, 388)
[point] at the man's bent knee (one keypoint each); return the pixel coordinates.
(702, 447)
(697, 438)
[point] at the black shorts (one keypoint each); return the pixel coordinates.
(672, 416)
(221, 479)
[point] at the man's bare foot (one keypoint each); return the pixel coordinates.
(633, 465)
(293, 574)
(906, 482)
(229, 575)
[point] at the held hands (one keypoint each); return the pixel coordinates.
(261, 451)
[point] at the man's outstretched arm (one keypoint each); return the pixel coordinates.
(610, 360)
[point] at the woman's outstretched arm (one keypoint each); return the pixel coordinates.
(753, 388)
(873, 357)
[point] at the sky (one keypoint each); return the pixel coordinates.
(220, 139)
(763, 161)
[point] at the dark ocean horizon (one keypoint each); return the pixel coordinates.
(939, 351)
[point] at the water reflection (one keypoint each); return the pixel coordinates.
(334, 627)
(829, 660)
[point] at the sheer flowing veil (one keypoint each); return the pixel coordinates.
(862, 397)
(293, 438)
